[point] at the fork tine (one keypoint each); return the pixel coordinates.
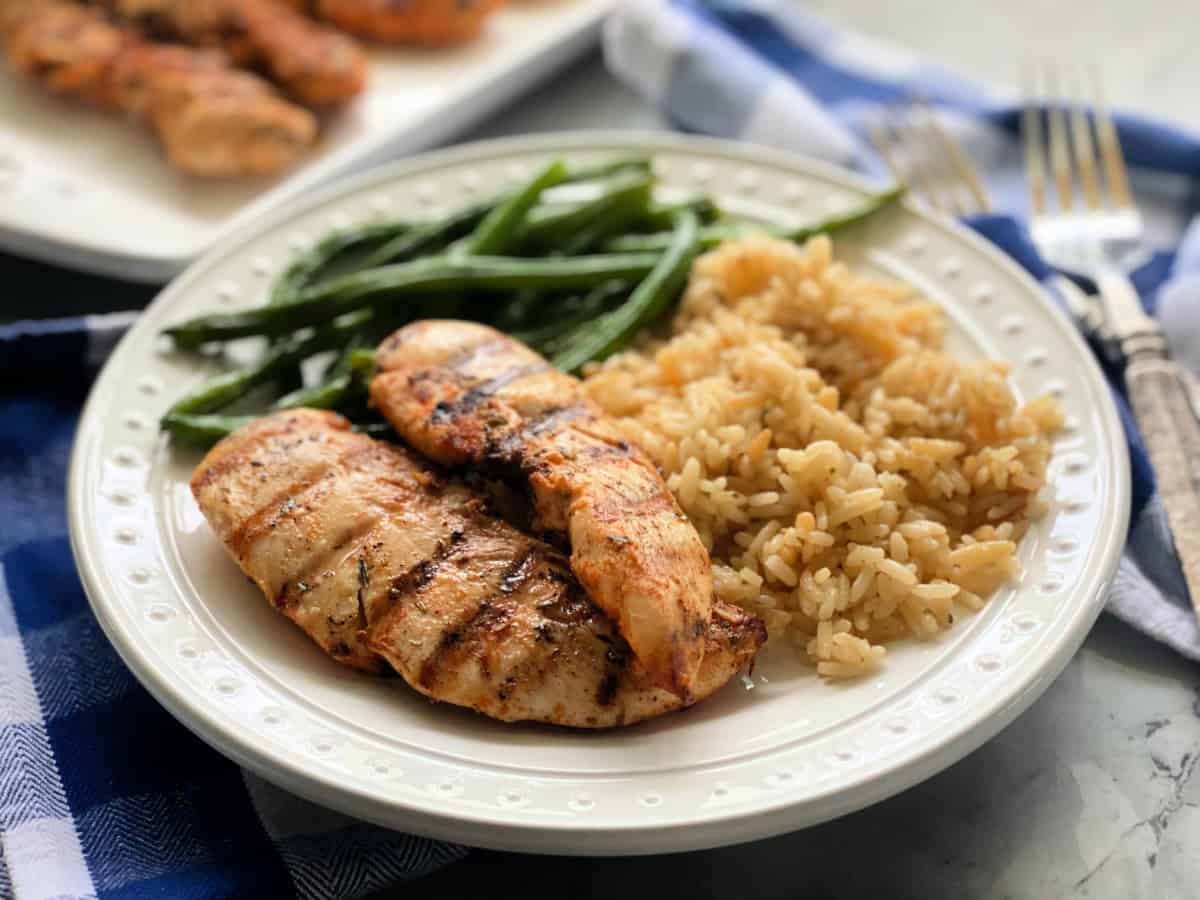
(941, 190)
(1031, 134)
(895, 142)
(1060, 155)
(935, 169)
(1110, 148)
(936, 166)
(956, 156)
(1085, 152)
(881, 138)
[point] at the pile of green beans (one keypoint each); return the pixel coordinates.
(574, 279)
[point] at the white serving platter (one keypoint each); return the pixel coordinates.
(92, 191)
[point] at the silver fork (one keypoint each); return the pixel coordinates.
(1096, 230)
(1094, 227)
(922, 155)
(937, 170)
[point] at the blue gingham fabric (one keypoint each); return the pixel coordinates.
(769, 72)
(102, 793)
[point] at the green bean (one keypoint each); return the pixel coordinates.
(714, 234)
(428, 235)
(710, 236)
(593, 171)
(545, 337)
(497, 232)
(202, 430)
(308, 266)
(378, 287)
(436, 234)
(661, 216)
(321, 259)
(615, 221)
(377, 430)
(548, 226)
(610, 332)
(338, 383)
(517, 310)
(362, 364)
(224, 389)
(328, 394)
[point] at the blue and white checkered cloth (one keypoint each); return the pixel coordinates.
(102, 793)
(768, 72)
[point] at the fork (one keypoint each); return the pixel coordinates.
(1096, 230)
(936, 169)
(925, 157)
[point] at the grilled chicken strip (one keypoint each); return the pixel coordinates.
(465, 394)
(317, 65)
(429, 23)
(371, 552)
(211, 119)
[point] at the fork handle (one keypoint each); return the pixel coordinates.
(1124, 316)
(1162, 404)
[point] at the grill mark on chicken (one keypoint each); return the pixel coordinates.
(298, 501)
(281, 505)
(223, 467)
(489, 618)
(467, 609)
(518, 573)
(416, 577)
(321, 567)
(555, 416)
(364, 581)
(470, 400)
(617, 657)
(488, 612)
(493, 614)
(571, 608)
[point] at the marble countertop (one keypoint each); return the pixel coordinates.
(1094, 791)
(1091, 793)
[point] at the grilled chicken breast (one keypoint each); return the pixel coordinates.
(377, 557)
(317, 65)
(465, 394)
(211, 119)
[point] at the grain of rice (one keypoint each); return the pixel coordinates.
(853, 482)
(781, 570)
(899, 573)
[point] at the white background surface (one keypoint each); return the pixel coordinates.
(1148, 51)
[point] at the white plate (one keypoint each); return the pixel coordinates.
(746, 764)
(92, 191)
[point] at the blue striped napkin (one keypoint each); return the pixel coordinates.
(102, 793)
(769, 72)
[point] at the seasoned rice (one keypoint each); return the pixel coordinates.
(854, 483)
